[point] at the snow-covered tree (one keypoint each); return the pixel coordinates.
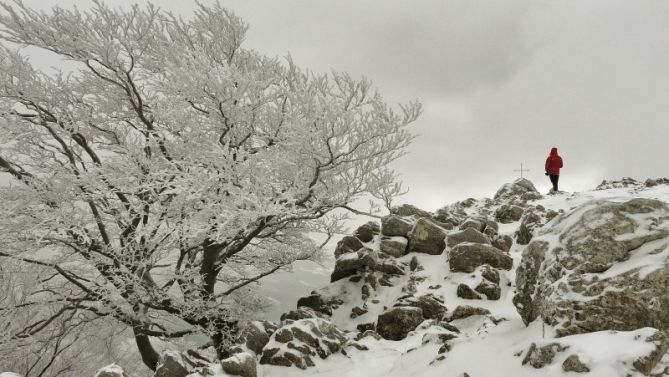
(164, 169)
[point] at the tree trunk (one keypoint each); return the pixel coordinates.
(149, 354)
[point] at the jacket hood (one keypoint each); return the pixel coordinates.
(553, 151)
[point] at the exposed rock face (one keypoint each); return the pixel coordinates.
(508, 213)
(608, 269)
(466, 257)
(111, 370)
(574, 364)
(242, 364)
(348, 244)
(366, 232)
(171, 364)
(395, 246)
(646, 364)
(363, 260)
(427, 237)
(540, 357)
(393, 225)
(396, 323)
(469, 234)
(299, 341)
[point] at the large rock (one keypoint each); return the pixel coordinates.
(427, 237)
(393, 225)
(256, 334)
(348, 244)
(394, 246)
(298, 342)
(469, 234)
(508, 213)
(529, 222)
(396, 323)
(603, 266)
(432, 306)
(466, 257)
(365, 260)
(539, 357)
(366, 232)
(242, 364)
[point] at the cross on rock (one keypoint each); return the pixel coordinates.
(521, 170)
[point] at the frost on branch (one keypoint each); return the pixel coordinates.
(169, 169)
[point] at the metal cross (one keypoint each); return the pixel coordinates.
(521, 170)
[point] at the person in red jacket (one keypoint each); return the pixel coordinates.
(553, 165)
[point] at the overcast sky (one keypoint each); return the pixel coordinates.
(501, 81)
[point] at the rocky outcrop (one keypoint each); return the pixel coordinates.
(520, 191)
(655, 182)
(427, 237)
(603, 266)
(396, 323)
(172, 364)
(465, 311)
(621, 183)
(432, 307)
(466, 292)
(298, 342)
(466, 257)
(529, 222)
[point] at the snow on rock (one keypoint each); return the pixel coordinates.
(603, 266)
(111, 370)
(296, 343)
(10, 374)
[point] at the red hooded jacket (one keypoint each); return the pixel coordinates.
(553, 163)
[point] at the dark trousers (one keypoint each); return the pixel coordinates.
(554, 181)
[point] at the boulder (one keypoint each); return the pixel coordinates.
(366, 232)
(491, 228)
(622, 183)
(111, 370)
(256, 334)
(508, 213)
(539, 357)
(394, 246)
(295, 344)
(603, 266)
(396, 323)
(393, 225)
(466, 311)
(466, 257)
(503, 243)
(574, 364)
(490, 274)
(464, 291)
(491, 291)
(467, 235)
(242, 364)
(315, 302)
(426, 237)
(348, 244)
(654, 182)
(472, 223)
(432, 306)
(172, 364)
(409, 210)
